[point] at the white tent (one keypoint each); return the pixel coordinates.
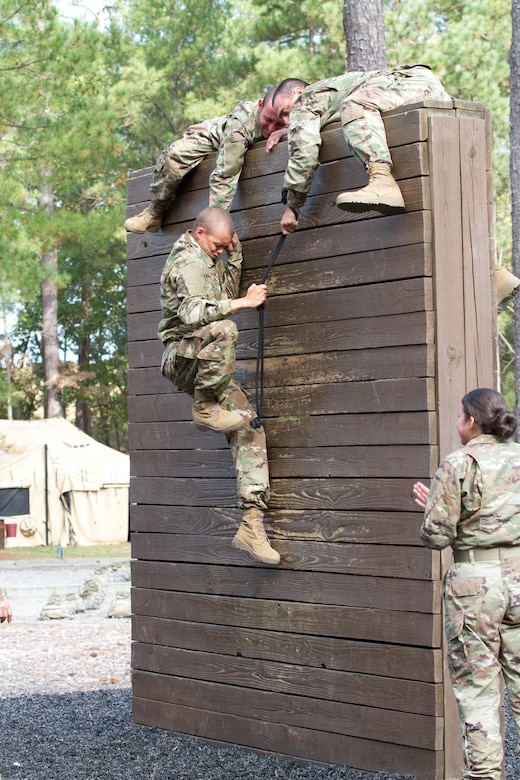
(60, 486)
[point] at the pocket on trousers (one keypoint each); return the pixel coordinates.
(462, 599)
(465, 586)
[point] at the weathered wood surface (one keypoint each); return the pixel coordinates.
(387, 626)
(374, 326)
(283, 740)
(379, 461)
(342, 589)
(370, 560)
(297, 710)
(348, 655)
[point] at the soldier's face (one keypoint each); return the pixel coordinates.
(282, 105)
(269, 121)
(466, 427)
(213, 242)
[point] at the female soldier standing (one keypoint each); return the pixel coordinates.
(474, 506)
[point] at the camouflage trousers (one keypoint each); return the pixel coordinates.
(360, 111)
(181, 157)
(206, 361)
(482, 617)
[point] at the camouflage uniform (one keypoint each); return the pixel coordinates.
(357, 98)
(200, 346)
(230, 135)
(474, 505)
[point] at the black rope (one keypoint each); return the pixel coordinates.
(259, 372)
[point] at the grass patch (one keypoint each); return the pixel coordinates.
(46, 553)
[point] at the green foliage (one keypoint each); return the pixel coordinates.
(61, 126)
(467, 45)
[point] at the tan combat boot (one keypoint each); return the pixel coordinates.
(209, 414)
(252, 538)
(150, 219)
(507, 284)
(381, 193)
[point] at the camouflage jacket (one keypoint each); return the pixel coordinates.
(231, 136)
(196, 290)
(474, 499)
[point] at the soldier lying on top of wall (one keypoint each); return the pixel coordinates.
(357, 99)
(230, 136)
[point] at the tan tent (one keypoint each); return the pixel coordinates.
(59, 486)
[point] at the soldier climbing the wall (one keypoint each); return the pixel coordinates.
(357, 100)
(230, 136)
(198, 295)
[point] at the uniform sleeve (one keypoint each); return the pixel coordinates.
(195, 308)
(233, 272)
(304, 148)
(443, 508)
(223, 180)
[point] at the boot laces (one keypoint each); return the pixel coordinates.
(259, 527)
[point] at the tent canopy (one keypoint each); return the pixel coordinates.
(60, 486)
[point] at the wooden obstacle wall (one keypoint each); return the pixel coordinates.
(375, 328)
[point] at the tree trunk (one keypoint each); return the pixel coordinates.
(83, 416)
(364, 26)
(7, 354)
(514, 170)
(50, 346)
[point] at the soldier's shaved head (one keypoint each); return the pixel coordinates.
(286, 88)
(284, 96)
(214, 219)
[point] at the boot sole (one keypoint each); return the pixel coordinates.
(140, 232)
(359, 208)
(240, 545)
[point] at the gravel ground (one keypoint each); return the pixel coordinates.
(65, 705)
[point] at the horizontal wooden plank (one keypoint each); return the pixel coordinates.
(411, 360)
(385, 395)
(309, 276)
(420, 731)
(389, 494)
(324, 264)
(338, 305)
(351, 232)
(372, 625)
(363, 333)
(354, 493)
(318, 525)
(407, 696)
(400, 329)
(278, 739)
(318, 273)
(384, 660)
(414, 462)
(342, 589)
(417, 563)
(305, 431)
